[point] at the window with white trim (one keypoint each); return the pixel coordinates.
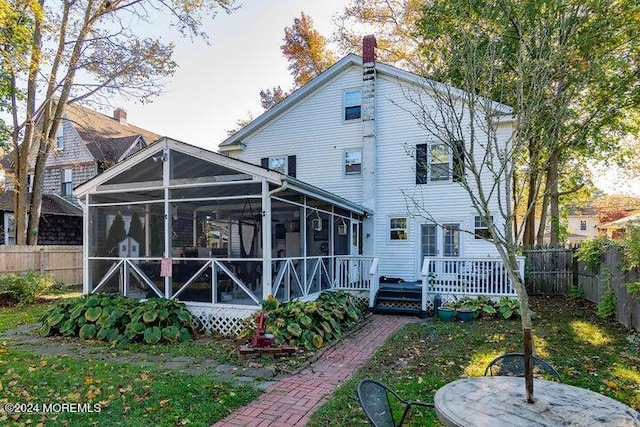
(67, 182)
(353, 162)
(481, 228)
(398, 228)
(438, 162)
(278, 164)
(352, 105)
(60, 137)
(583, 225)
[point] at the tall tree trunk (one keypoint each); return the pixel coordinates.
(554, 198)
(530, 223)
(543, 219)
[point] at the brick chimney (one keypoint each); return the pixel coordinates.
(369, 145)
(369, 45)
(120, 116)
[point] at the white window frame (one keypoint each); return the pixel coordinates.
(480, 224)
(285, 162)
(60, 138)
(403, 237)
(349, 104)
(430, 175)
(9, 229)
(345, 164)
(66, 188)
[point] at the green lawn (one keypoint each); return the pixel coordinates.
(588, 352)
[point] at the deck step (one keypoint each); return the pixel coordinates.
(399, 310)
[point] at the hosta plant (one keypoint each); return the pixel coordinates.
(309, 324)
(119, 319)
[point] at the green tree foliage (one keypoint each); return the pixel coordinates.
(568, 68)
(84, 51)
(136, 232)
(306, 50)
(393, 22)
(115, 235)
(156, 245)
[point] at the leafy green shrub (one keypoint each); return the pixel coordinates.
(309, 324)
(481, 305)
(25, 287)
(607, 305)
(576, 292)
(590, 251)
(119, 319)
(508, 307)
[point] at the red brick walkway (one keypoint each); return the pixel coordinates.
(292, 400)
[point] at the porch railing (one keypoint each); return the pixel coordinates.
(300, 277)
(467, 276)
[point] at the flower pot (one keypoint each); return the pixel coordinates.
(465, 315)
(446, 313)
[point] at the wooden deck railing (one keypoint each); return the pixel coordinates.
(467, 276)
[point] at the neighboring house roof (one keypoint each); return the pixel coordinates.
(106, 138)
(622, 222)
(235, 140)
(51, 205)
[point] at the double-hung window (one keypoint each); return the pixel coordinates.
(398, 229)
(353, 162)
(60, 137)
(282, 164)
(67, 182)
(481, 228)
(438, 162)
(352, 105)
(583, 225)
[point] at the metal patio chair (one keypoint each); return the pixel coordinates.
(512, 364)
(374, 399)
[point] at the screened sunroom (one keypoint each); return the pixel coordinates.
(219, 234)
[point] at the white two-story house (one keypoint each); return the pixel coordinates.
(352, 131)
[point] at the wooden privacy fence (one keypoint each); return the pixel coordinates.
(553, 271)
(549, 271)
(62, 262)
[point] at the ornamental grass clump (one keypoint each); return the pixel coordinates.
(120, 320)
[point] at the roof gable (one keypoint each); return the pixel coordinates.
(331, 73)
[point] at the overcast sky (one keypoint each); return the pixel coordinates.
(217, 85)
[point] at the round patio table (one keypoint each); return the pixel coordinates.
(501, 401)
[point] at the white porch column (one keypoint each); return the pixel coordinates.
(166, 175)
(86, 243)
(266, 240)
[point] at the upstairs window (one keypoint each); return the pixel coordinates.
(352, 105)
(282, 164)
(353, 162)
(436, 162)
(67, 182)
(60, 137)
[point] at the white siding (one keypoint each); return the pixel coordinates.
(314, 131)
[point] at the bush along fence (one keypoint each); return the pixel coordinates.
(603, 271)
(64, 263)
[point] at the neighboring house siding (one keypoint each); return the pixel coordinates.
(75, 156)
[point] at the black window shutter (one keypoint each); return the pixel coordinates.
(458, 161)
(291, 166)
(264, 162)
(421, 164)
